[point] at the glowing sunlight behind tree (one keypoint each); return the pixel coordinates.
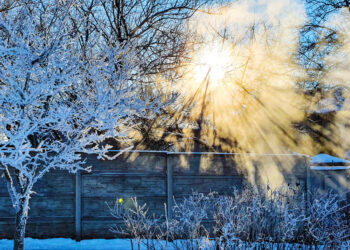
(214, 62)
(239, 87)
(242, 74)
(240, 82)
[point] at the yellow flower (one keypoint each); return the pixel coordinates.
(120, 200)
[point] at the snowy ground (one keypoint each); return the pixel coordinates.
(121, 244)
(69, 244)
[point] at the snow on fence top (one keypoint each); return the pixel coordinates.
(328, 162)
(324, 158)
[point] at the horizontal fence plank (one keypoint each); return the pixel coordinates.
(40, 219)
(101, 207)
(185, 186)
(120, 185)
(41, 206)
(132, 162)
(118, 173)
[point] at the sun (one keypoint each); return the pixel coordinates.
(214, 63)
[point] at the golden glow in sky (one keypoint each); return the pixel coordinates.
(214, 62)
(240, 82)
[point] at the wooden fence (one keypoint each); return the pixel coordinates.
(75, 206)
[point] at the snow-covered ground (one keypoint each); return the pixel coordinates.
(69, 244)
(123, 244)
(94, 244)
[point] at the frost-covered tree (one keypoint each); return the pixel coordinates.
(55, 104)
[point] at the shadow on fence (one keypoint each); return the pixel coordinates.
(74, 206)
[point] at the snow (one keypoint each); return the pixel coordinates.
(113, 244)
(324, 158)
(330, 167)
(327, 105)
(69, 244)
(93, 244)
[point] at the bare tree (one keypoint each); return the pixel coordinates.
(320, 41)
(157, 30)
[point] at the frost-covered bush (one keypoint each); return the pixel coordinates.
(257, 218)
(326, 222)
(280, 216)
(187, 224)
(192, 211)
(190, 216)
(138, 223)
(257, 215)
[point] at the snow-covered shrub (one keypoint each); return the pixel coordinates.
(192, 211)
(190, 216)
(250, 218)
(326, 223)
(139, 225)
(257, 215)
(187, 224)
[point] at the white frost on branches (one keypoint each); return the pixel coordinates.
(252, 218)
(54, 102)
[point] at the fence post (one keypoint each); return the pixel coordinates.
(308, 183)
(169, 170)
(78, 205)
(308, 177)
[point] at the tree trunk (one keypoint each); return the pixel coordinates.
(21, 221)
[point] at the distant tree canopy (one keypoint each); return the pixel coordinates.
(163, 40)
(322, 41)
